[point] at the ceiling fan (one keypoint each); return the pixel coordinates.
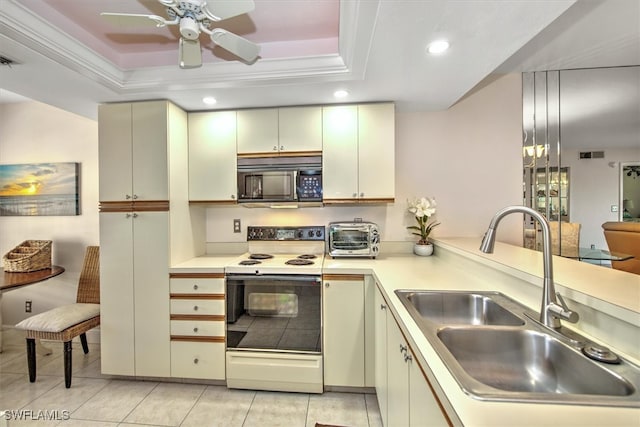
(195, 17)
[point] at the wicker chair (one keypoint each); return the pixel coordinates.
(66, 322)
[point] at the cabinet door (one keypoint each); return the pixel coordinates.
(114, 151)
(300, 129)
(151, 284)
(380, 308)
(423, 406)
(343, 346)
(258, 131)
(369, 332)
(150, 126)
(398, 377)
(376, 151)
(340, 152)
(116, 294)
(212, 156)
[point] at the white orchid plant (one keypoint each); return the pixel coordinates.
(423, 208)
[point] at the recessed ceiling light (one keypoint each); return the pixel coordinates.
(340, 93)
(437, 47)
(209, 100)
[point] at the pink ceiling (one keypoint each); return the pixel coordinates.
(283, 28)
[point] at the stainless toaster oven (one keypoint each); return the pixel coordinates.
(353, 239)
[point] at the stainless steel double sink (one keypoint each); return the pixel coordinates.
(496, 351)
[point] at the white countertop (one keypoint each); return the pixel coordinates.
(613, 293)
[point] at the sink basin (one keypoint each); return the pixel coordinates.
(530, 362)
(497, 350)
(459, 308)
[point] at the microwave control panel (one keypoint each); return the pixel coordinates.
(310, 187)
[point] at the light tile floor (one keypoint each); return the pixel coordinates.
(98, 400)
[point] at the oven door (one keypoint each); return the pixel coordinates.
(276, 313)
(349, 240)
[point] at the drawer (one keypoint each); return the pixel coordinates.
(197, 328)
(198, 360)
(196, 285)
(202, 307)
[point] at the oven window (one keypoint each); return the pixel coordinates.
(350, 239)
(278, 315)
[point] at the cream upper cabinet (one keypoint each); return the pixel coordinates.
(258, 131)
(300, 129)
(359, 153)
(340, 152)
(280, 131)
(376, 151)
(133, 143)
(212, 156)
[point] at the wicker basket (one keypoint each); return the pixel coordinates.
(30, 255)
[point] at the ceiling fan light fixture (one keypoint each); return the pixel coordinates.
(438, 47)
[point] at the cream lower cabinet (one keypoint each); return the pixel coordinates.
(404, 395)
(198, 325)
(348, 330)
(134, 297)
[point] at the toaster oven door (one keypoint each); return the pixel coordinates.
(350, 240)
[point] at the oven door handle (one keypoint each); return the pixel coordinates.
(290, 278)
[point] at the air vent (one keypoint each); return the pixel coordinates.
(592, 154)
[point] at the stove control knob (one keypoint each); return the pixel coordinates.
(318, 233)
(310, 233)
(300, 234)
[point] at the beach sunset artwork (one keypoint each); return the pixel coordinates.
(35, 189)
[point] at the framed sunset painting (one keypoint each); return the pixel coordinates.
(35, 189)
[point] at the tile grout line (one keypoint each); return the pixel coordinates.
(255, 393)
(194, 405)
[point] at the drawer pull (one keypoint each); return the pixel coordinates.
(195, 287)
(195, 361)
(195, 308)
(195, 330)
(403, 349)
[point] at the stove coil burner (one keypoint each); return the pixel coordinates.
(299, 261)
(249, 262)
(307, 256)
(260, 256)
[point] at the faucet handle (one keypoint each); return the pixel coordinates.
(565, 313)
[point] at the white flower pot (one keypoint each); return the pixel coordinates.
(423, 250)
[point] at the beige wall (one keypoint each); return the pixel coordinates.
(467, 157)
(32, 132)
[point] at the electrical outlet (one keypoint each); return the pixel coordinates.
(614, 208)
(27, 306)
(236, 226)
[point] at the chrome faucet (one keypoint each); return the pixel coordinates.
(550, 312)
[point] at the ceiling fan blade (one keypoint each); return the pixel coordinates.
(134, 19)
(217, 10)
(235, 44)
(189, 53)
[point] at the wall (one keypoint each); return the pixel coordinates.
(468, 158)
(31, 132)
(593, 189)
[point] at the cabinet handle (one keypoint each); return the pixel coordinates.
(275, 148)
(126, 196)
(383, 307)
(195, 308)
(326, 285)
(233, 196)
(195, 361)
(361, 194)
(355, 195)
(195, 330)
(281, 147)
(403, 349)
(408, 358)
(195, 287)
(135, 196)
(133, 215)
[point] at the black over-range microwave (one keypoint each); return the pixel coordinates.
(267, 180)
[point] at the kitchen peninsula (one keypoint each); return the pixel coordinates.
(607, 301)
